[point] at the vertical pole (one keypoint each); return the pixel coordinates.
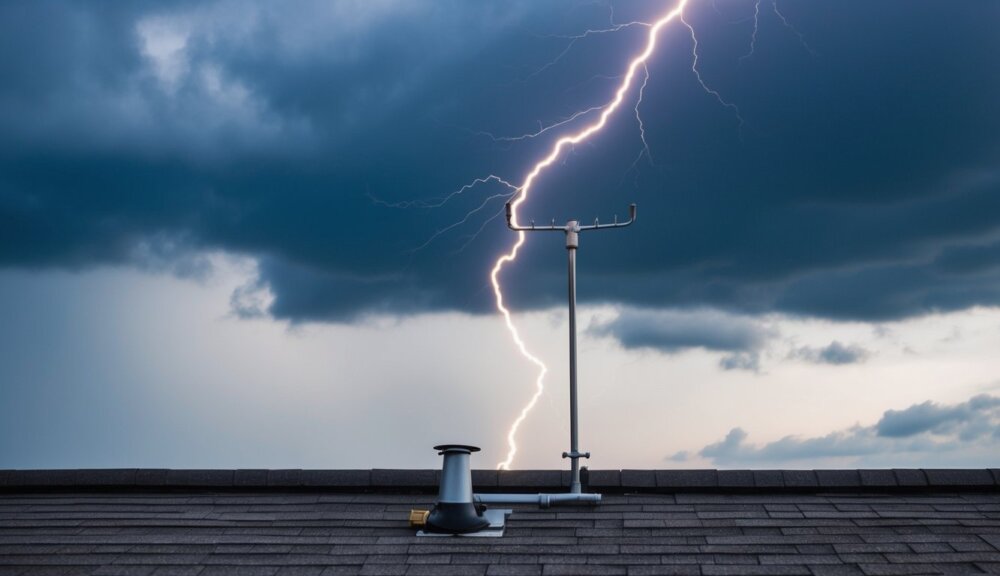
(574, 431)
(572, 230)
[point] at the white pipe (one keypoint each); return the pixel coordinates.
(543, 500)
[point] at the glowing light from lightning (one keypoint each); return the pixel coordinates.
(676, 13)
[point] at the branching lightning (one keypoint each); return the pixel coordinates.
(676, 13)
(464, 219)
(784, 22)
(471, 237)
(697, 74)
(756, 27)
(542, 129)
(596, 118)
(638, 118)
(439, 201)
(802, 39)
(586, 33)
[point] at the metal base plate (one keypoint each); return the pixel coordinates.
(497, 519)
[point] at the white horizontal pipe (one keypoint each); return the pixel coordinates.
(543, 500)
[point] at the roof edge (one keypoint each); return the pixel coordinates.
(410, 480)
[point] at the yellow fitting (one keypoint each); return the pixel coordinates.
(418, 518)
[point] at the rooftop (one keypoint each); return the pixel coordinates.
(311, 522)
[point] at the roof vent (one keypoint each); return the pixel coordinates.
(455, 512)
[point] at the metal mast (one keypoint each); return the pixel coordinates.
(572, 230)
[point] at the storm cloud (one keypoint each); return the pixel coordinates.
(671, 331)
(140, 134)
(927, 428)
(968, 420)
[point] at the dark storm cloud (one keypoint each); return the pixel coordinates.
(972, 418)
(921, 428)
(835, 353)
(864, 184)
(674, 331)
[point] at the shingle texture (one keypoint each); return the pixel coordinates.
(268, 530)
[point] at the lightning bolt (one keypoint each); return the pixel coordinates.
(521, 193)
(675, 13)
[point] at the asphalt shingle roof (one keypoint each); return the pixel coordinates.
(208, 523)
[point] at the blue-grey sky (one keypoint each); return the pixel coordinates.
(827, 194)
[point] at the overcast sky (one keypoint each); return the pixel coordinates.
(234, 234)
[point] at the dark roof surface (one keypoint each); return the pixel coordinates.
(105, 524)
